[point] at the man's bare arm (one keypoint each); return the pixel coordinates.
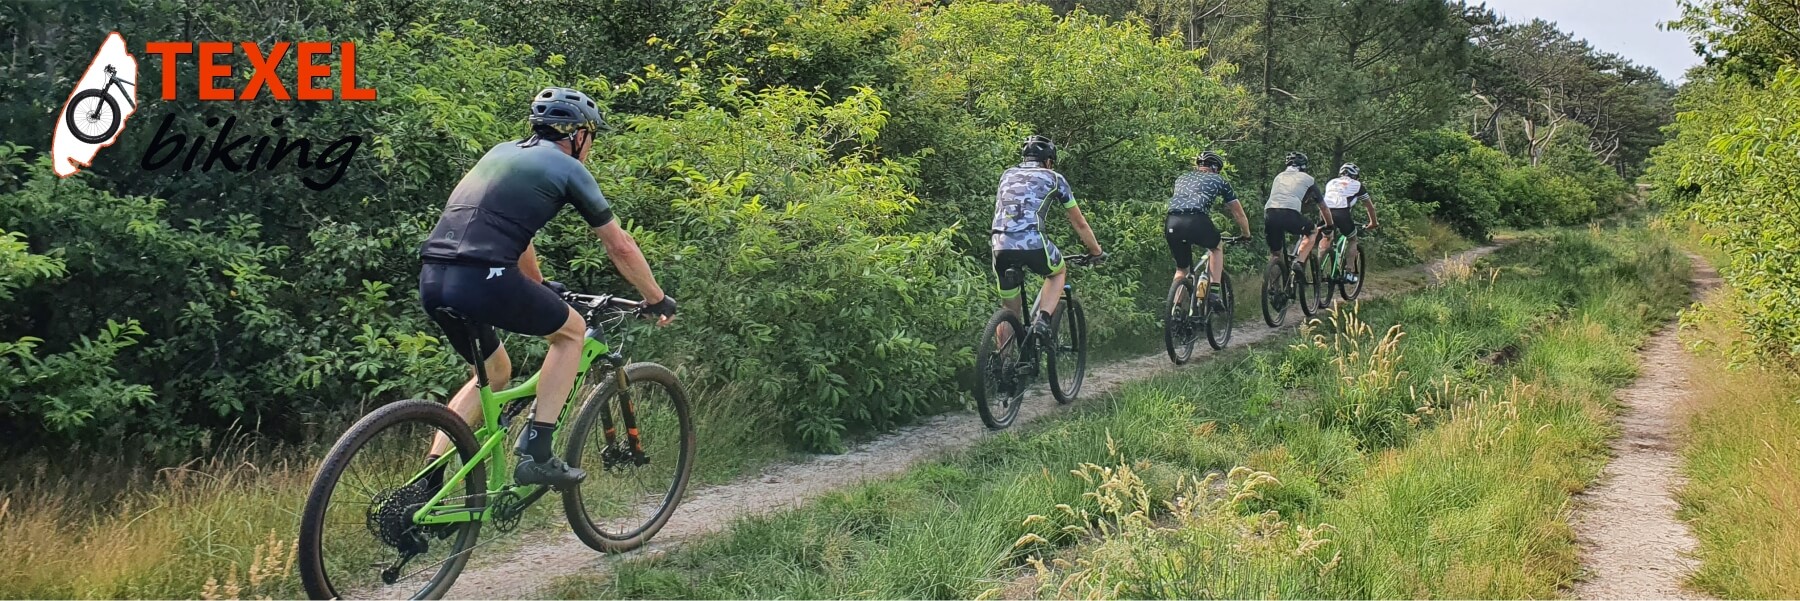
(1083, 231)
(622, 249)
(528, 264)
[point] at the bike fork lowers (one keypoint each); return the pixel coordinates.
(614, 453)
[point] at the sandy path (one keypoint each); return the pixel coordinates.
(1632, 545)
(522, 572)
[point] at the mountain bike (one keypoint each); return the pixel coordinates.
(381, 520)
(1333, 269)
(1190, 313)
(93, 115)
(1286, 283)
(1004, 371)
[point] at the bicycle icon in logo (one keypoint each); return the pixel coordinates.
(93, 115)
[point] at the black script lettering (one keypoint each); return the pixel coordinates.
(162, 140)
(341, 161)
(221, 151)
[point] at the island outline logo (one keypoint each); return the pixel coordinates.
(97, 110)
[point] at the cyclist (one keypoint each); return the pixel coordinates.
(1190, 220)
(480, 262)
(1290, 192)
(1340, 194)
(1026, 192)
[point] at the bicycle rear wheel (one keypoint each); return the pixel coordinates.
(999, 386)
(1350, 290)
(629, 493)
(1178, 337)
(357, 534)
(1219, 323)
(1312, 287)
(1067, 358)
(1277, 286)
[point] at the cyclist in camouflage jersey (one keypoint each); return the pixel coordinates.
(1026, 193)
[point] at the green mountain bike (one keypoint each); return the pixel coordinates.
(1332, 270)
(381, 521)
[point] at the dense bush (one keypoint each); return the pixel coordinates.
(1731, 166)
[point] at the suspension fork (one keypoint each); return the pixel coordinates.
(627, 413)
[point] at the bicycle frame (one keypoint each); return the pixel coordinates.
(492, 433)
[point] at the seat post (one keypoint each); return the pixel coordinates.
(477, 355)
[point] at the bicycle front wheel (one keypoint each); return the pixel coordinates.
(1068, 351)
(1350, 290)
(1277, 286)
(1311, 286)
(1178, 336)
(93, 116)
(1219, 323)
(631, 490)
(358, 537)
(999, 363)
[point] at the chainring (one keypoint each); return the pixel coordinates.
(508, 510)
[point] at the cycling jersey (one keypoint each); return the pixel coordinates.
(1026, 192)
(1195, 191)
(502, 202)
(1343, 193)
(1292, 189)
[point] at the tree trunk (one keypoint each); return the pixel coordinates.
(1268, 68)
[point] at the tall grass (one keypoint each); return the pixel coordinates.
(1364, 460)
(1742, 461)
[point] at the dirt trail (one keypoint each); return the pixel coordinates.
(522, 572)
(1632, 545)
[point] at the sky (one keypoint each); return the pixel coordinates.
(1624, 27)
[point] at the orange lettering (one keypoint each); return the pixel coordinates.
(347, 85)
(168, 50)
(211, 71)
(262, 72)
(306, 71)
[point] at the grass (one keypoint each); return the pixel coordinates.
(1384, 455)
(90, 529)
(1742, 457)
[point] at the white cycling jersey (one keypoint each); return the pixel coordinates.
(1343, 193)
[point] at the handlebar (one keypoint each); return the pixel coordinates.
(1086, 260)
(594, 302)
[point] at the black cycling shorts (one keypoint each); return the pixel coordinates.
(1185, 229)
(1345, 224)
(494, 297)
(1046, 262)
(1279, 222)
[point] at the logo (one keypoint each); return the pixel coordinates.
(95, 114)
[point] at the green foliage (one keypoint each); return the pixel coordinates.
(1731, 167)
(771, 215)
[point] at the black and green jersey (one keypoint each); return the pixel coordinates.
(502, 203)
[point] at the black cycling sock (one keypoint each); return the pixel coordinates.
(536, 440)
(434, 479)
(1044, 317)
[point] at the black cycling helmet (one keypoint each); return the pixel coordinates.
(1038, 148)
(1210, 159)
(1297, 159)
(1349, 170)
(565, 110)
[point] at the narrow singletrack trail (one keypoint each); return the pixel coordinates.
(522, 572)
(1632, 545)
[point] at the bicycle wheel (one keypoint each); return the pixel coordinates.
(1178, 336)
(1311, 286)
(357, 535)
(1219, 323)
(1277, 285)
(93, 116)
(1000, 387)
(1350, 290)
(1068, 351)
(629, 495)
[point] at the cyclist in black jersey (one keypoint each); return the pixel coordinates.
(479, 261)
(1189, 221)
